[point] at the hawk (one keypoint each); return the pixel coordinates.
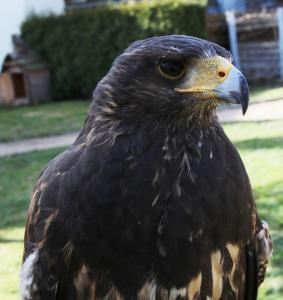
(152, 201)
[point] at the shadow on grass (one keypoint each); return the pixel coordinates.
(270, 200)
(13, 214)
(257, 143)
(8, 241)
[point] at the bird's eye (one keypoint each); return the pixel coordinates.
(171, 69)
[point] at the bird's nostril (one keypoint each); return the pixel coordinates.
(221, 74)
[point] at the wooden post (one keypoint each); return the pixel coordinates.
(280, 34)
(232, 28)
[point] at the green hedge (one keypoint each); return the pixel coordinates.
(81, 45)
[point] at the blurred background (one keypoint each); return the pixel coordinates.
(53, 53)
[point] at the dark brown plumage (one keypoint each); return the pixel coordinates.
(152, 201)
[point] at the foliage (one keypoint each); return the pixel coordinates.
(81, 45)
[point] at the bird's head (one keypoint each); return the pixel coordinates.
(171, 76)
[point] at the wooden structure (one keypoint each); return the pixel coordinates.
(24, 78)
(258, 45)
(216, 24)
(253, 31)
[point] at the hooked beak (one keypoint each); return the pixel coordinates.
(216, 79)
(234, 89)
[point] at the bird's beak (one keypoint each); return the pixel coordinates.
(234, 89)
(216, 79)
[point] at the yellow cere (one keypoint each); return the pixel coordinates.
(205, 75)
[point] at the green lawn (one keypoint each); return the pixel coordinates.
(42, 120)
(261, 147)
(261, 93)
(17, 177)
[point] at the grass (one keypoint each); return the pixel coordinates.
(260, 145)
(266, 92)
(17, 177)
(41, 120)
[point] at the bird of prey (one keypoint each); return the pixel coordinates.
(152, 201)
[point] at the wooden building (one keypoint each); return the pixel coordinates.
(24, 77)
(216, 24)
(252, 30)
(258, 45)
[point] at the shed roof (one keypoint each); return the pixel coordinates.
(23, 58)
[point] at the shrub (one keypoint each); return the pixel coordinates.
(80, 46)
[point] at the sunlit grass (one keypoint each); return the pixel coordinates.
(11, 248)
(17, 177)
(41, 120)
(266, 93)
(260, 145)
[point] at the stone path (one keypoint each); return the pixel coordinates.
(264, 111)
(29, 145)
